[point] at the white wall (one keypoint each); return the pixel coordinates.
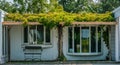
(15, 43)
(51, 53)
(78, 57)
(119, 40)
(0, 42)
(17, 54)
(117, 34)
(2, 60)
(112, 42)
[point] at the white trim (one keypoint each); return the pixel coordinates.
(4, 40)
(80, 40)
(81, 53)
(116, 41)
(44, 33)
(67, 39)
(84, 54)
(116, 9)
(51, 34)
(36, 34)
(96, 39)
(89, 39)
(116, 45)
(2, 13)
(28, 35)
(73, 39)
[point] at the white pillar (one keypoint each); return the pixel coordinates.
(117, 40)
(1, 20)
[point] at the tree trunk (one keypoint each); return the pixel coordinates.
(60, 43)
(9, 52)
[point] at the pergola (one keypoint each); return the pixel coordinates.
(74, 23)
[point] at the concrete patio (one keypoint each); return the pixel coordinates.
(65, 63)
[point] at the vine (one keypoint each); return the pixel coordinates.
(52, 19)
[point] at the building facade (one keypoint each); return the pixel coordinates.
(36, 42)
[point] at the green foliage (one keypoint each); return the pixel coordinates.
(53, 19)
(43, 6)
(37, 6)
(94, 17)
(7, 6)
(75, 6)
(62, 58)
(101, 6)
(109, 5)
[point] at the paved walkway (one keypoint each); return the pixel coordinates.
(61, 64)
(65, 63)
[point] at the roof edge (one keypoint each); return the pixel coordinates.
(4, 12)
(116, 9)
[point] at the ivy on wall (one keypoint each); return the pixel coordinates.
(55, 18)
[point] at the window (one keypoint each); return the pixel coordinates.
(84, 39)
(36, 34)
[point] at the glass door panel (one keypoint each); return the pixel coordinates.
(85, 39)
(99, 39)
(47, 35)
(93, 39)
(70, 48)
(32, 35)
(76, 39)
(40, 34)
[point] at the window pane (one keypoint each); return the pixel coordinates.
(47, 34)
(99, 39)
(93, 39)
(70, 49)
(25, 34)
(77, 39)
(85, 39)
(40, 34)
(32, 34)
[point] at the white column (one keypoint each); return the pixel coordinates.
(1, 53)
(117, 41)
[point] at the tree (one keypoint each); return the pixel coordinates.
(109, 5)
(75, 6)
(104, 5)
(37, 6)
(31, 6)
(6, 6)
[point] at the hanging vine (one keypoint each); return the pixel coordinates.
(55, 18)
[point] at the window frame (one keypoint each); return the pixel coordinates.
(44, 36)
(81, 53)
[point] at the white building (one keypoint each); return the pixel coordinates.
(36, 42)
